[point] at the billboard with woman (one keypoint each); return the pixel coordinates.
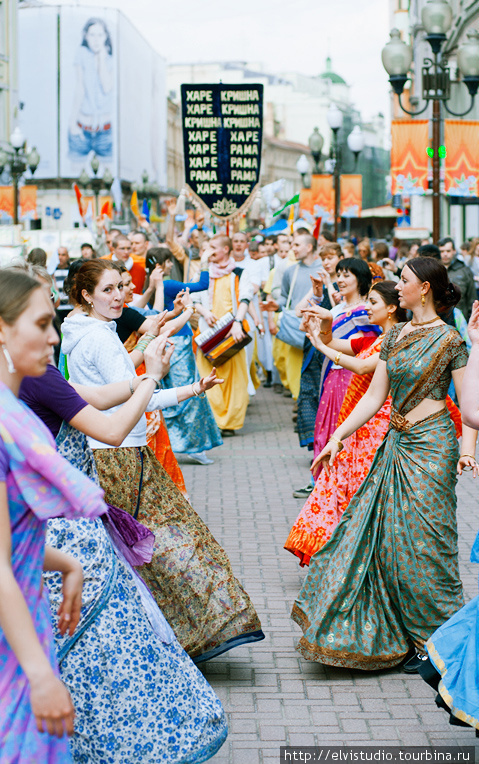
(88, 89)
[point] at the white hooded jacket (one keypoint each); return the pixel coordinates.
(96, 356)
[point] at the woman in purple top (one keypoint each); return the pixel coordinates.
(35, 484)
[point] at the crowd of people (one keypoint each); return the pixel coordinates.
(163, 343)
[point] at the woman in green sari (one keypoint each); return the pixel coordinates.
(389, 575)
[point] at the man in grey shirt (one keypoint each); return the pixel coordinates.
(308, 261)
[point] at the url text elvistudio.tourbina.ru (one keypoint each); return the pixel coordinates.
(339, 754)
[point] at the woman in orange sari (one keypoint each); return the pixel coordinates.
(335, 488)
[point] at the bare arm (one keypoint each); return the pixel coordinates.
(469, 435)
(50, 700)
(470, 383)
(369, 405)
(113, 429)
(346, 357)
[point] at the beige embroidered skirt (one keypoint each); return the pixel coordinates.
(190, 575)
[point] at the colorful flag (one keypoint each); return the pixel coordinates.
(317, 228)
(134, 204)
(88, 220)
(461, 138)
(78, 194)
(115, 191)
(107, 208)
(293, 200)
(409, 159)
(291, 218)
(145, 210)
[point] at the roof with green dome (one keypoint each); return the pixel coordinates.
(330, 75)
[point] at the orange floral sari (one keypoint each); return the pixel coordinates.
(158, 440)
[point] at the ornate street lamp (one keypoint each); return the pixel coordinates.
(436, 81)
(96, 183)
(302, 166)
(16, 159)
(335, 121)
(316, 143)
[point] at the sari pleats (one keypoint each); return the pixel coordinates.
(389, 575)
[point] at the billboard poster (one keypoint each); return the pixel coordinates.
(88, 89)
(222, 139)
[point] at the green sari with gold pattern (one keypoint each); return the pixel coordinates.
(389, 576)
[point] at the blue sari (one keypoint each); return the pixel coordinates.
(453, 650)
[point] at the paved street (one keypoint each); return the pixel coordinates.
(272, 696)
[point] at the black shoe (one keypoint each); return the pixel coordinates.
(303, 493)
(227, 433)
(412, 665)
(269, 380)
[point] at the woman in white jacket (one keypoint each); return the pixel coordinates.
(190, 575)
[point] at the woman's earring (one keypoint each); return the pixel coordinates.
(423, 299)
(10, 366)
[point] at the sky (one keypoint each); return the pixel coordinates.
(293, 35)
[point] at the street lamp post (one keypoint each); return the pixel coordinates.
(436, 81)
(316, 142)
(16, 158)
(335, 121)
(96, 183)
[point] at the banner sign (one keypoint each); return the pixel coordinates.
(461, 138)
(319, 199)
(27, 197)
(351, 196)
(409, 159)
(222, 138)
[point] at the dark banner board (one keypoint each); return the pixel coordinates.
(222, 138)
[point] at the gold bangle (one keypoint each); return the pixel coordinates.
(328, 332)
(336, 360)
(337, 441)
(469, 455)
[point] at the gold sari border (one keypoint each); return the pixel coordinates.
(444, 692)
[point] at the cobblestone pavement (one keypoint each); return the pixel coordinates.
(272, 696)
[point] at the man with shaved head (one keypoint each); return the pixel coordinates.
(230, 291)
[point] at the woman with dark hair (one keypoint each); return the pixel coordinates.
(389, 576)
(349, 317)
(190, 575)
(334, 489)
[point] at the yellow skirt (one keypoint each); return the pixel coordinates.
(228, 401)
